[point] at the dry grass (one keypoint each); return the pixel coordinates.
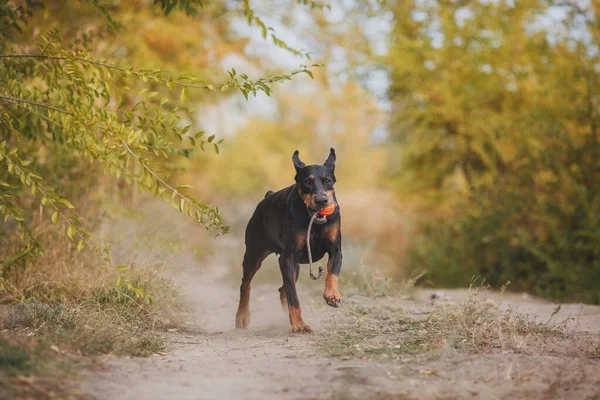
(65, 298)
(67, 304)
(87, 326)
(372, 328)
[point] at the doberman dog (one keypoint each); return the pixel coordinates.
(279, 225)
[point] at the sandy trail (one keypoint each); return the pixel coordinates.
(212, 360)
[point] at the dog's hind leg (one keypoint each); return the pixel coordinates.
(282, 295)
(283, 299)
(288, 271)
(251, 264)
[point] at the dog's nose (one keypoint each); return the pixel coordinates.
(321, 200)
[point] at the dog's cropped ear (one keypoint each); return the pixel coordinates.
(298, 164)
(330, 162)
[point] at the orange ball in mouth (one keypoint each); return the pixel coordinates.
(327, 210)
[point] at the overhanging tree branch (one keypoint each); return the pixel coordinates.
(35, 103)
(246, 85)
(175, 192)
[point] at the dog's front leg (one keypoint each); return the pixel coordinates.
(286, 264)
(334, 265)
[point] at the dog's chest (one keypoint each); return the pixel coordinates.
(318, 247)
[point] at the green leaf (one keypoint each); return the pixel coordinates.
(71, 231)
(181, 205)
(122, 267)
(120, 100)
(80, 245)
(184, 96)
(55, 217)
(211, 138)
(187, 76)
(66, 203)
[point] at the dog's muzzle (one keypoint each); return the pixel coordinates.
(319, 219)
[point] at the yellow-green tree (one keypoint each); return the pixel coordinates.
(72, 104)
(259, 157)
(496, 125)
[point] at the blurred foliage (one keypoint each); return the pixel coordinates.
(67, 114)
(259, 159)
(495, 120)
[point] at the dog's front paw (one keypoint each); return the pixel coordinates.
(242, 319)
(301, 327)
(333, 299)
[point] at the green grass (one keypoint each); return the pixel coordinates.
(33, 370)
(14, 359)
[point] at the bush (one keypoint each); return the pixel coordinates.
(538, 226)
(496, 120)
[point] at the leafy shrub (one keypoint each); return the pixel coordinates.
(537, 226)
(496, 121)
(66, 115)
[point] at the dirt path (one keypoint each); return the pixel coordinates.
(212, 360)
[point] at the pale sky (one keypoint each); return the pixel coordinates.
(231, 114)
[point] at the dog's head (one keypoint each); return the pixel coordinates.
(315, 182)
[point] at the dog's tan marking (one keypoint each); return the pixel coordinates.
(298, 325)
(300, 240)
(283, 299)
(332, 232)
(332, 295)
(330, 194)
(308, 199)
(242, 317)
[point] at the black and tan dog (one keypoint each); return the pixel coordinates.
(279, 225)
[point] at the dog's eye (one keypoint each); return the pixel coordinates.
(308, 181)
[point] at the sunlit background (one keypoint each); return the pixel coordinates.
(466, 132)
